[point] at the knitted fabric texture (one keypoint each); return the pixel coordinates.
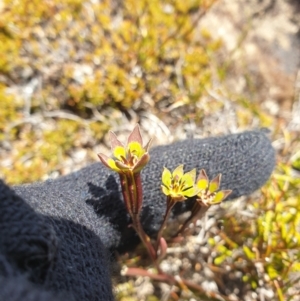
(85, 209)
(25, 239)
(63, 257)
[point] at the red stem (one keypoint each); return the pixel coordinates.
(176, 280)
(139, 191)
(170, 205)
(131, 185)
(125, 191)
(144, 238)
(133, 198)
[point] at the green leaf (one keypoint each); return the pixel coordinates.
(248, 252)
(272, 272)
(267, 225)
(220, 259)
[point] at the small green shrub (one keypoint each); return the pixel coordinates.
(265, 244)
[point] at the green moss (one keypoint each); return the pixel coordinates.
(124, 61)
(271, 238)
(10, 112)
(87, 59)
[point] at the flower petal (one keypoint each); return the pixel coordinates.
(147, 146)
(120, 165)
(112, 165)
(221, 196)
(190, 192)
(166, 177)
(114, 141)
(165, 190)
(135, 135)
(103, 158)
(202, 180)
(215, 183)
(177, 197)
(188, 179)
(141, 163)
(178, 171)
(119, 152)
(135, 148)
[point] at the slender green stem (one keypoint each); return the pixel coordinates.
(170, 205)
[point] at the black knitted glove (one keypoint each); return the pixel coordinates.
(58, 255)
(15, 287)
(86, 207)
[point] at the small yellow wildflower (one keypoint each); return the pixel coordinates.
(179, 185)
(208, 194)
(133, 157)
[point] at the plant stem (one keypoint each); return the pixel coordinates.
(131, 185)
(178, 281)
(170, 205)
(133, 197)
(143, 236)
(145, 240)
(197, 212)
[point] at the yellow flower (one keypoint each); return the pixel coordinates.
(177, 185)
(208, 194)
(132, 157)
